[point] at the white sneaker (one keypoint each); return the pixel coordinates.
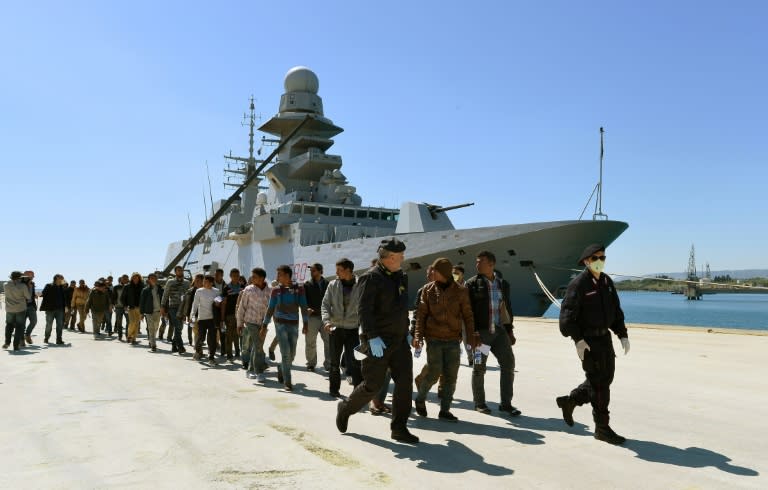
(260, 378)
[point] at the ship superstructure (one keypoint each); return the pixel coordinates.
(301, 209)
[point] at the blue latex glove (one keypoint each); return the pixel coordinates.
(377, 346)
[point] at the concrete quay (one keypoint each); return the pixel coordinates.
(100, 414)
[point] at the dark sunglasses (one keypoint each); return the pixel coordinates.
(598, 257)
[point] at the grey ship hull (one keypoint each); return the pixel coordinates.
(552, 247)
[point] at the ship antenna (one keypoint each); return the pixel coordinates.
(251, 123)
(205, 205)
(210, 191)
(599, 201)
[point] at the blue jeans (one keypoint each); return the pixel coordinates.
(120, 313)
(176, 325)
(287, 337)
(253, 348)
(32, 316)
(50, 316)
(108, 321)
(14, 325)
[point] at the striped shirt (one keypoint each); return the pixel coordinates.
(494, 290)
(285, 303)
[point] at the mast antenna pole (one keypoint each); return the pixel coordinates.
(599, 201)
(205, 205)
(210, 191)
(251, 123)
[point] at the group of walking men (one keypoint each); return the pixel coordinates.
(364, 317)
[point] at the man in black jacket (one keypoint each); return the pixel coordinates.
(117, 301)
(590, 311)
(489, 297)
(54, 301)
(315, 289)
(69, 312)
(383, 315)
(131, 302)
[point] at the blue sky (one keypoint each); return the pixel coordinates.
(109, 111)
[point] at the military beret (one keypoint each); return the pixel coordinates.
(589, 251)
(392, 245)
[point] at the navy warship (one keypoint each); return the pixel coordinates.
(296, 207)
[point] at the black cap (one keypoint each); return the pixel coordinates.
(589, 251)
(392, 245)
(444, 267)
(16, 275)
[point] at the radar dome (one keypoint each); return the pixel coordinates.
(301, 79)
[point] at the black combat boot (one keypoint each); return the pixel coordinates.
(342, 417)
(567, 405)
(605, 433)
(403, 435)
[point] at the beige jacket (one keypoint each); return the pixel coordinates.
(80, 296)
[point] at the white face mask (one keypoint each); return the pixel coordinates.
(597, 266)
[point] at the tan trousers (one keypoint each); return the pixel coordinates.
(81, 311)
(153, 323)
(134, 319)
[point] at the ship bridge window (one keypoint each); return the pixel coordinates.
(335, 211)
(296, 209)
(389, 216)
(373, 215)
(309, 209)
(362, 214)
(349, 213)
(322, 210)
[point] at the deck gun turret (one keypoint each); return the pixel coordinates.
(434, 208)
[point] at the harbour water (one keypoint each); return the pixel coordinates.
(742, 311)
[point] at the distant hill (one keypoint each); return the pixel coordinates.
(735, 274)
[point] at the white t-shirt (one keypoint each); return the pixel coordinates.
(202, 306)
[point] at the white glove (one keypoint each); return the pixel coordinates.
(625, 345)
(581, 347)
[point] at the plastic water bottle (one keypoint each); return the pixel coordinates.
(478, 356)
(417, 351)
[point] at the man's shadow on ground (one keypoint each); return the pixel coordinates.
(473, 428)
(692, 457)
(454, 457)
